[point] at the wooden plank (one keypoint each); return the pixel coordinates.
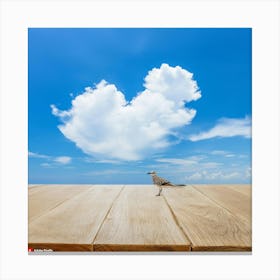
(33, 189)
(209, 226)
(72, 225)
(43, 198)
(237, 203)
(140, 221)
(244, 189)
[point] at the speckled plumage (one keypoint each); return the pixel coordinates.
(160, 182)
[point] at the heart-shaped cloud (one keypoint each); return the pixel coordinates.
(104, 124)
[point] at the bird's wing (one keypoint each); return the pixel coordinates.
(163, 181)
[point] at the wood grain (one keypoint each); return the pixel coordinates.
(33, 189)
(140, 221)
(237, 203)
(72, 225)
(209, 226)
(244, 189)
(113, 218)
(43, 198)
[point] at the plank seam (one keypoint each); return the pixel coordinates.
(177, 222)
(232, 188)
(107, 213)
(51, 209)
(243, 220)
(193, 247)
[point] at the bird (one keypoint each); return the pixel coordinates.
(161, 182)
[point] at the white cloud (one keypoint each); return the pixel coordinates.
(248, 172)
(210, 164)
(177, 161)
(105, 125)
(36, 155)
(63, 160)
(46, 164)
(229, 155)
(193, 161)
(218, 152)
(198, 169)
(194, 177)
(243, 156)
(226, 127)
(218, 176)
(111, 172)
(109, 161)
(51, 159)
(222, 153)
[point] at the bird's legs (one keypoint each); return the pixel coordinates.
(160, 190)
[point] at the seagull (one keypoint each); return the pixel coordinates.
(161, 182)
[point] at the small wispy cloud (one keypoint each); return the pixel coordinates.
(226, 127)
(194, 177)
(190, 162)
(218, 152)
(248, 172)
(61, 160)
(177, 161)
(210, 165)
(106, 172)
(222, 153)
(243, 156)
(36, 155)
(46, 164)
(109, 161)
(218, 176)
(230, 155)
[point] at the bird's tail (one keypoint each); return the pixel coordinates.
(176, 185)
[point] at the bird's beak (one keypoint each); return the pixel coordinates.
(149, 173)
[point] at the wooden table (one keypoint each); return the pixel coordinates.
(132, 218)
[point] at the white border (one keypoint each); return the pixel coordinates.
(262, 16)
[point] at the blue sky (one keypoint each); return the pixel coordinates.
(108, 105)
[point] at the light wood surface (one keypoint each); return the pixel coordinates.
(43, 198)
(139, 220)
(244, 189)
(208, 225)
(132, 218)
(74, 223)
(229, 198)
